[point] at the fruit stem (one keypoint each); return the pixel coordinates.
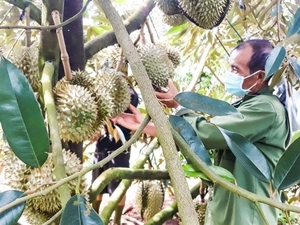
(28, 31)
(62, 45)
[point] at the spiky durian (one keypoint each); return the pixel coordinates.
(117, 60)
(173, 54)
(81, 78)
(27, 62)
(149, 198)
(77, 111)
(174, 20)
(157, 64)
(36, 217)
(36, 179)
(169, 7)
(113, 92)
(200, 209)
(205, 13)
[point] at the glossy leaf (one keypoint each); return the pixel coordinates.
(295, 65)
(13, 214)
(274, 61)
(20, 116)
(277, 77)
(248, 155)
(288, 167)
(294, 27)
(189, 135)
(78, 212)
(202, 103)
(191, 171)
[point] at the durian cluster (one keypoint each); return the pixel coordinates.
(22, 177)
(204, 13)
(84, 103)
(159, 61)
(149, 198)
(27, 62)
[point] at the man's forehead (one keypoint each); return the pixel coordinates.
(242, 55)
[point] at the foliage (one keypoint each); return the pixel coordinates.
(20, 110)
(78, 211)
(207, 49)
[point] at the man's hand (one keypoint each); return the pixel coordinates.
(167, 98)
(131, 121)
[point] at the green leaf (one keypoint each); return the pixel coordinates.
(294, 27)
(274, 61)
(288, 167)
(192, 171)
(295, 65)
(20, 116)
(13, 214)
(248, 155)
(189, 135)
(77, 212)
(202, 103)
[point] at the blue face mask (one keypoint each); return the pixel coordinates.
(234, 83)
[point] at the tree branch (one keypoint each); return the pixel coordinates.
(125, 173)
(199, 164)
(59, 171)
(132, 23)
(185, 205)
(119, 193)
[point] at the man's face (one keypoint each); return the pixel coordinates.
(238, 62)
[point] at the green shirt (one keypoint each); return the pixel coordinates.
(263, 121)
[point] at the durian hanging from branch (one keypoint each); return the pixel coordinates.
(205, 13)
(26, 59)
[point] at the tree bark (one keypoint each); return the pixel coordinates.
(179, 182)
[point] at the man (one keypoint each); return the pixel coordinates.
(263, 121)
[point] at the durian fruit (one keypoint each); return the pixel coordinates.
(174, 20)
(77, 111)
(149, 198)
(169, 7)
(205, 13)
(81, 78)
(200, 208)
(113, 93)
(157, 64)
(27, 62)
(36, 179)
(114, 59)
(173, 54)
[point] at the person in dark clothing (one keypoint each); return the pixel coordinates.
(104, 146)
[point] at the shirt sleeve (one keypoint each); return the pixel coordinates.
(254, 122)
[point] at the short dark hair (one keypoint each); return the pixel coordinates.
(261, 50)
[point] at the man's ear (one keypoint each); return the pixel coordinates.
(261, 76)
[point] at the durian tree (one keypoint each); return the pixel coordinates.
(62, 84)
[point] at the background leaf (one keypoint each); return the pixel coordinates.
(191, 171)
(189, 135)
(295, 65)
(294, 27)
(288, 167)
(20, 116)
(76, 212)
(202, 103)
(12, 215)
(274, 61)
(248, 155)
